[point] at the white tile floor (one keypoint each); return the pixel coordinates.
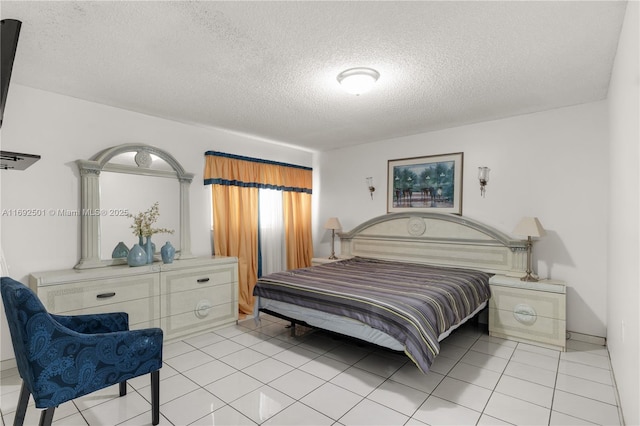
(252, 374)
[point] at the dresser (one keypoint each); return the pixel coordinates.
(184, 297)
(531, 312)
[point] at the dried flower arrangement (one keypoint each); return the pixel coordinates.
(143, 222)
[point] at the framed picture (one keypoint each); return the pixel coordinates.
(432, 183)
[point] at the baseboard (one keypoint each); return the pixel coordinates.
(617, 394)
(7, 364)
(586, 338)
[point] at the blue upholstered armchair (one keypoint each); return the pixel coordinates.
(61, 358)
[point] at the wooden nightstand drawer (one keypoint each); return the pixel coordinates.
(510, 324)
(543, 304)
(528, 312)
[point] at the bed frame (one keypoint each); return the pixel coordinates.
(423, 237)
(436, 239)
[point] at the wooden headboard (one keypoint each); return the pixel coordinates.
(437, 239)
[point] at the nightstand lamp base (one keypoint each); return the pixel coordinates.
(529, 278)
(334, 224)
(529, 227)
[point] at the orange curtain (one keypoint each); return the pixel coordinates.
(235, 216)
(297, 224)
(235, 182)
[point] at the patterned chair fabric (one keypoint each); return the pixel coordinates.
(61, 358)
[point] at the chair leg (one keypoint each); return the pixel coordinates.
(155, 397)
(21, 409)
(123, 388)
(47, 416)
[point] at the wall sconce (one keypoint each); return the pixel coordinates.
(334, 224)
(529, 227)
(372, 188)
(483, 177)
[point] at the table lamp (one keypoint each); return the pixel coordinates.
(529, 227)
(334, 224)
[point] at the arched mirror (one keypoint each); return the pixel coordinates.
(128, 179)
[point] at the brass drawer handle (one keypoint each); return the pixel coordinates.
(106, 295)
(203, 280)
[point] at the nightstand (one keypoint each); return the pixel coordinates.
(530, 312)
(316, 261)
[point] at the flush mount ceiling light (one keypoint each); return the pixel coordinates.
(358, 80)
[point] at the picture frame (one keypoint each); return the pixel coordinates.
(429, 183)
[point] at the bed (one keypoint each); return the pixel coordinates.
(407, 281)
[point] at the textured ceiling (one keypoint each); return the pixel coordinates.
(269, 68)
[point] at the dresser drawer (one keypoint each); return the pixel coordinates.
(94, 294)
(199, 309)
(178, 281)
(184, 297)
(137, 296)
(143, 313)
(199, 298)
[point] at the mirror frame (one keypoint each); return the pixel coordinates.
(90, 198)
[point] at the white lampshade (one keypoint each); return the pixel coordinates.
(358, 80)
(333, 223)
(529, 227)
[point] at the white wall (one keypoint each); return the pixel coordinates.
(623, 315)
(63, 129)
(552, 165)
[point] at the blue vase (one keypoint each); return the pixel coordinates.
(121, 251)
(137, 256)
(168, 252)
(149, 249)
(144, 245)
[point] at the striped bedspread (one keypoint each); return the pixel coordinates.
(413, 303)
